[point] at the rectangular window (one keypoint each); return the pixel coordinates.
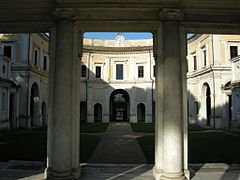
(7, 51)
(45, 63)
(35, 57)
(140, 71)
(119, 71)
(98, 71)
(194, 63)
(204, 58)
(233, 51)
(84, 70)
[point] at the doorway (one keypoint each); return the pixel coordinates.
(119, 106)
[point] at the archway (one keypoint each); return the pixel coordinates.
(83, 111)
(44, 114)
(97, 112)
(34, 105)
(119, 105)
(141, 112)
(206, 94)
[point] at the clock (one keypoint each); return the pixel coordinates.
(120, 39)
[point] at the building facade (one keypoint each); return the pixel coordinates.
(209, 77)
(29, 58)
(117, 80)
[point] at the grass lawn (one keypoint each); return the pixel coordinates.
(93, 127)
(215, 147)
(143, 127)
(32, 146)
(149, 127)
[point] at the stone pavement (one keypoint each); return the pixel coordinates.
(34, 171)
(118, 146)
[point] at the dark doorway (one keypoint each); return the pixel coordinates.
(229, 110)
(34, 105)
(119, 105)
(208, 105)
(11, 111)
(141, 112)
(44, 114)
(97, 112)
(83, 111)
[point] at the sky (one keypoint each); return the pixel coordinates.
(112, 35)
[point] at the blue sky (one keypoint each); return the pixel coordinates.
(112, 35)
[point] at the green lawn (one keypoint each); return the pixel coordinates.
(93, 127)
(149, 127)
(143, 127)
(32, 146)
(215, 147)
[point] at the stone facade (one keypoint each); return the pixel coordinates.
(235, 89)
(136, 63)
(29, 71)
(209, 78)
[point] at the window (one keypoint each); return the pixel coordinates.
(45, 63)
(204, 58)
(154, 71)
(233, 51)
(119, 71)
(84, 70)
(7, 51)
(98, 71)
(3, 101)
(35, 57)
(140, 71)
(194, 63)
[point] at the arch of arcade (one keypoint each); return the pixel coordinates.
(169, 21)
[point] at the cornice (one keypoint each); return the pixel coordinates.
(207, 70)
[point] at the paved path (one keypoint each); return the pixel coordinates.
(118, 146)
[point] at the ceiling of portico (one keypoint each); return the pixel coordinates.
(197, 13)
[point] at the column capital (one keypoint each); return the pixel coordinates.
(64, 14)
(171, 15)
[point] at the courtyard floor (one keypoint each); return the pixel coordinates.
(13, 170)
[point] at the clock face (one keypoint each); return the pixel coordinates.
(120, 39)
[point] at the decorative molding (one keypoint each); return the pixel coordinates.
(171, 15)
(65, 14)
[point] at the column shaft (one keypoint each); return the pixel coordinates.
(63, 128)
(170, 84)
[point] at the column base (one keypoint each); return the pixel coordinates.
(157, 173)
(51, 174)
(173, 176)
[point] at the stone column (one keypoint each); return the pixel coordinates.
(63, 123)
(170, 103)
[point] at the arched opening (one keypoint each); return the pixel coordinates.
(141, 112)
(97, 112)
(119, 105)
(83, 111)
(196, 110)
(208, 105)
(34, 105)
(44, 114)
(228, 104)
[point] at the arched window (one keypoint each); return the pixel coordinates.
(97, 112)
(141, 112)
(3, 102)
